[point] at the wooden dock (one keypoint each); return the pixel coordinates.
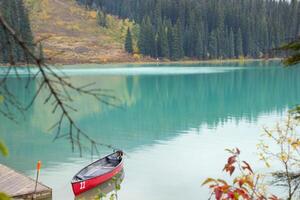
(19, 186)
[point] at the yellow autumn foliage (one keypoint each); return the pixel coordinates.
(137, 56)
(296, 144)
(93, 14)
(283, 156)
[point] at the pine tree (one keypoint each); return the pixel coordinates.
(157, 14)
(231, 44)
(2, 46)
(187, 40)
(24, 30)
(152, 41)
(162, 43)
(102, 18)
(128, 42)
(176, 45)
(142, 38)
(147, 38)
(4, 54)
(294, 18)
(199, 51)
(239, 44)
(169, 35)
(16, 16)
(220, 33)
(213, 45)
(41, 52)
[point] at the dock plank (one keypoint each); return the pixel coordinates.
(16, 184)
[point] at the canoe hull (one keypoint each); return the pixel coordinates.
(85, 185)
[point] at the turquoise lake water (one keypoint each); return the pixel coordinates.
(174, 123)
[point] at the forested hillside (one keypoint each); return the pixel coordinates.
(207, 29)
(174, 29)
(15, 14)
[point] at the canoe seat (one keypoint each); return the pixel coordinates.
(113, 161)
(96, 171)
(80, 177)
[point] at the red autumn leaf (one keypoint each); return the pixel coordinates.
(247, 166)
(244, 194)
(231, 160)
(231, 170)
(241, 182)
(225, 167)
(230, 195)
(218, 193)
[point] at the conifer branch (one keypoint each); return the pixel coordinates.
(52, 81)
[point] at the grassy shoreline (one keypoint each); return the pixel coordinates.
(214, 61)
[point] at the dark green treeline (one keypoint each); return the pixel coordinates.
(16, 15)
(207, 29)
(128, 42)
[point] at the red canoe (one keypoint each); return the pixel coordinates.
(97, 172)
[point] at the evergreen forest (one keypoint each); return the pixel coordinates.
(207, 29)
(15, 14)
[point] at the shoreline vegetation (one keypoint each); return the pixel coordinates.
(162, 62)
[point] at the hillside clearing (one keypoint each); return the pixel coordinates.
(73, 35)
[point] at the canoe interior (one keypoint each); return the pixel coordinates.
(99, 167)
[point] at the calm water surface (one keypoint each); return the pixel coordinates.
(175, 122)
